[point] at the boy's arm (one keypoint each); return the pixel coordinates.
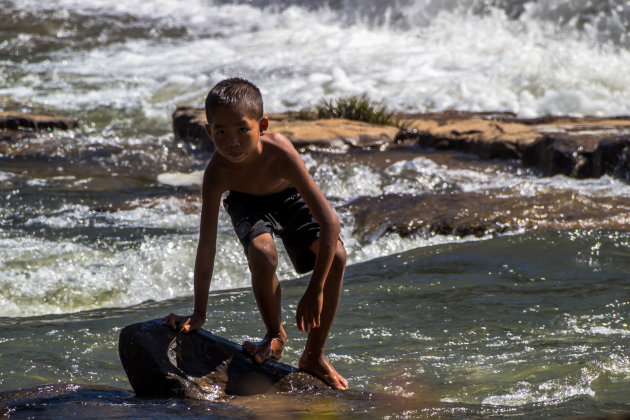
(206, 250)
(310, 306)
(204, 261)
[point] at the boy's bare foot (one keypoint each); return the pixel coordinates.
(321, 367)
(270, 348)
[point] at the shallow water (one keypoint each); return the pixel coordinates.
(519, 325)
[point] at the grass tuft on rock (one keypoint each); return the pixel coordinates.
(358, 108)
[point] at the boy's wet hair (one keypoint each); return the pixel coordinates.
(235, 93)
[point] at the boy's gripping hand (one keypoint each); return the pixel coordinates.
(184, 323)
(309, 310)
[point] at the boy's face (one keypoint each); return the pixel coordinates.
(236, 134)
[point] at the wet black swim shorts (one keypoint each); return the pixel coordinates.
(284, 214)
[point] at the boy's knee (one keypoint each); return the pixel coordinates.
(262, 254)
(339, 260)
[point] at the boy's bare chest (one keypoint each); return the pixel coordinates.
(258, 181)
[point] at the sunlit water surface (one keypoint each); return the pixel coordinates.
(521, 325)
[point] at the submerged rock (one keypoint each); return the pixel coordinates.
(62, 401)
(161, 362)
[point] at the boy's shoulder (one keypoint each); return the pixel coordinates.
(278, 140)
(277, 149)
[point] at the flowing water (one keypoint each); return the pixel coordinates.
(98, 226)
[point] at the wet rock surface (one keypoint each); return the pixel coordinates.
(612, 156)
(18, 125)
(553, 145)
(189, 129)
(469, 213)
(12, 120)
(65, 400)
(161, 362)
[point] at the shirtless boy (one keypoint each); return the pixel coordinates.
(270, 191)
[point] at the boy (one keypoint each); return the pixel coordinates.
(270, 191)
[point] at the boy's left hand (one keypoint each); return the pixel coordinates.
(309, 310)
(183, 323)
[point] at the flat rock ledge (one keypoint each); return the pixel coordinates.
(338, 134)
(162, 363)
(16, 125)
(13, 120)
(587, 147)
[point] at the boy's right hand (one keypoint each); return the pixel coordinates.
(184, 323)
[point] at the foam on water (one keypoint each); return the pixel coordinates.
(538, 58)
(5, 176)
(71, 276)
(178, 179)
(422, 175)
(41, 276)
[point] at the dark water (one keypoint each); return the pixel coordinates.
(527, 325)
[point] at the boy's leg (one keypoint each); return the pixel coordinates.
(263, 260)
(314, 359)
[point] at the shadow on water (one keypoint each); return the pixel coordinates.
(64, 401)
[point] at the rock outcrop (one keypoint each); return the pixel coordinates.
(161, 362)
(577, 147)
(11, 120)
(334, 133)
(470, 213)
(612, 156)
(18, 125)
(189, 129)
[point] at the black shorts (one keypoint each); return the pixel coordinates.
(284, 214)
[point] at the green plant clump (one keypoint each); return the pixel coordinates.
(358, 108)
